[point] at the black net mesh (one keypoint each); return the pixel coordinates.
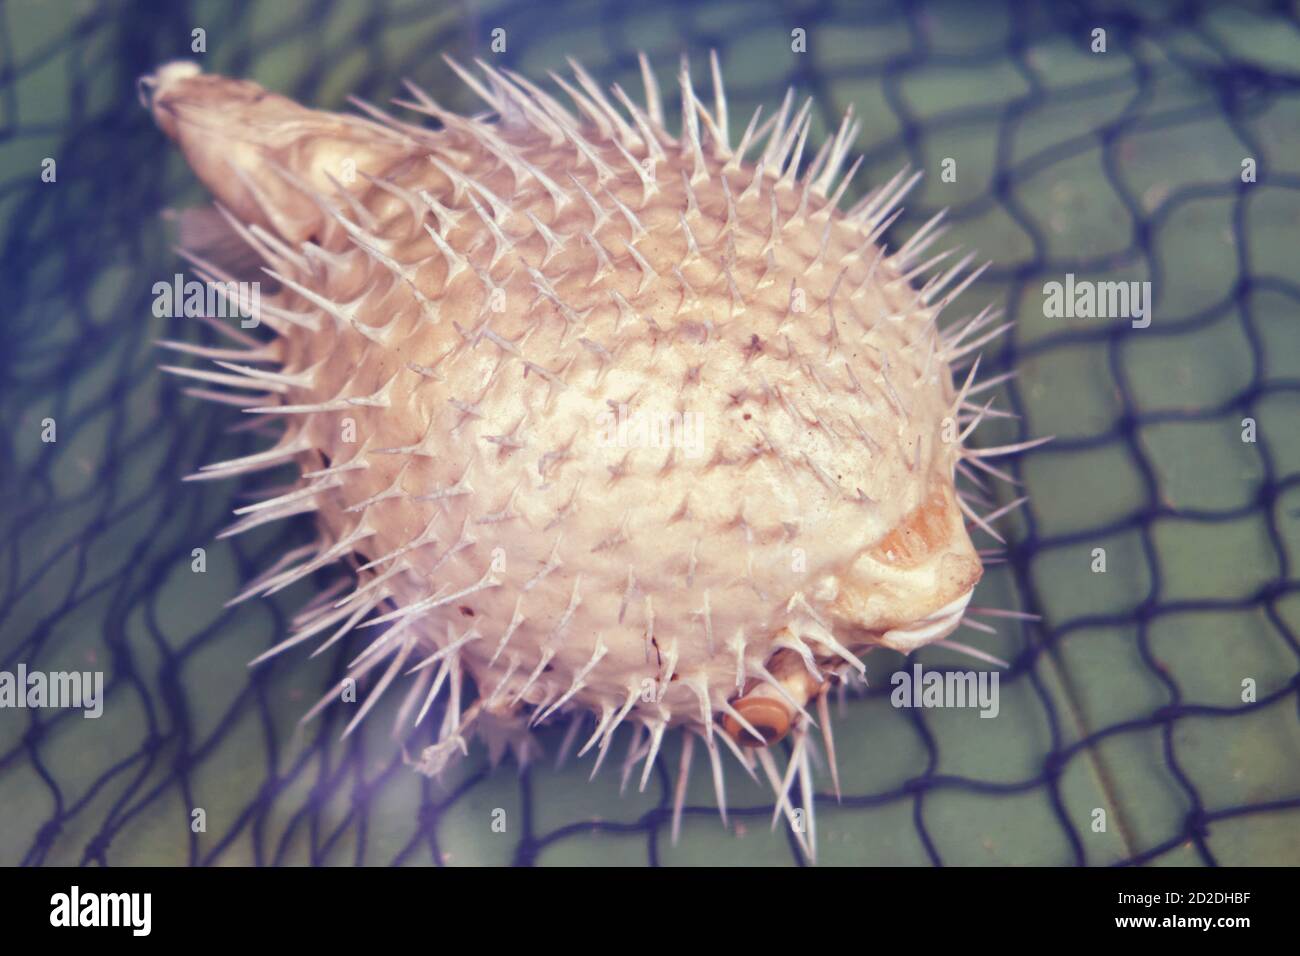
(1126, 699)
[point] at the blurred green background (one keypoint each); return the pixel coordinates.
(1127, 698)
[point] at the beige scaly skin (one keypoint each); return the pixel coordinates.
(608, 421)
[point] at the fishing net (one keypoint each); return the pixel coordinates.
(1151, 716)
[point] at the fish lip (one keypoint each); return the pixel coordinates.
(933, 627)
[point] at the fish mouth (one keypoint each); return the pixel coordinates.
(165, 74)
(766, 707)
(935, 626)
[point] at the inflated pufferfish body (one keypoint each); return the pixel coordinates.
(609, 421)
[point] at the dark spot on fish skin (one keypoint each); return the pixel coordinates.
(467, 611)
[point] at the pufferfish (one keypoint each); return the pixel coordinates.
(609, 421)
